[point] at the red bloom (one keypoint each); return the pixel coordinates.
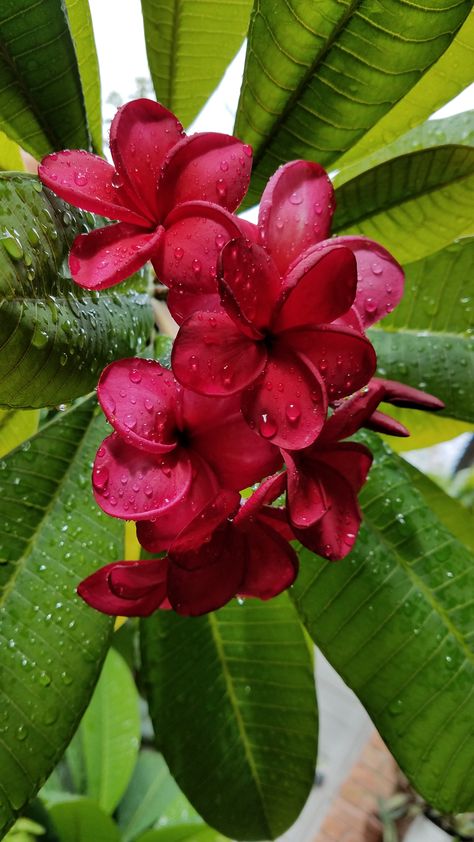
(171, 450)
(162, 187)
(226, 550)
(278, 336)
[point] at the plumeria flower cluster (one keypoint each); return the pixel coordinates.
(272, 371)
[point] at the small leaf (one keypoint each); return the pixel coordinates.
(15, 427)
(82, 820)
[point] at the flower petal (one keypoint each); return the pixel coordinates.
(272, 564)
(249, 285)
(288, 403)
(132, 484)
(106, 256)
(305, 493)
(345, 359)
(187, 259)
(382, 423)
(352, 413)
(141, 135)
(295, 211)
(277, 518)
(212, 357)
(220, 434)
(267, 492)
(206, 167)
(350, 459)
(399, 394)
(88, 182)
(321, 288)
(130, 589)
(199, 531)
(139, 398)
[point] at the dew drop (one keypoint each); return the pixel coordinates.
(377, 269)
(100, 478)
(196, 265)
(135, 376)
(80, 178)
(267, 426)
(293, 413)
(179, 253)
(296, 198)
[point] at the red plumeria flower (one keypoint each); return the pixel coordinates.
(278, 336)
(323, 481)
(226, 550)
(171, 450)
(295, 216)
(161, 187)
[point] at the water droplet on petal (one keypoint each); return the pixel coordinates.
(196, 264)
(296, 198)
(135, 376)
(267, 426)
(377, 269)
(100, 478)
(370, 305)
(80, 178)
(179, 253)
(247, 149)
(293, 413)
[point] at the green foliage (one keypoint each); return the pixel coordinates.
(52, 535)
(82, 820)
(55, 337)
(10, 158)
(394, 619)
(243, 697)
(80, 25)
(41, 101)
(15, 427)
(189, 45)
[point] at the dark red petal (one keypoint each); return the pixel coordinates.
(219, 433)
(350, 459)
(199, 530)
(212, 357)
(267, 492)
(207, 167)
(139, 398)
(249, 285)
(382, 423)
(334, 535)
(199, 589)
(288, 403)
(88, 182)
(321, 288)
(159, 533)
(141, 135)
(132, 484)
(108, 255)
(380, 279)
(277, 518)
(131, 589)
(352, 413)
(402, 395)
(295, 211)
(307, 501)
(186, 261)
(345, 359)
(272, 564)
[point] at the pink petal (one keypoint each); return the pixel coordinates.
(322, 288)
(399, 394)
(350, 459)
(88, 182)
(295, 211)
(305, 493)
(267, 492)
(380, 278)
(141, 135)
(272, 564)
(288, 404)
(199, 531)
(109, 255)
(382, 423)
(132, 484)
(277, 518)
(212, 357)
(219, 433)
(139, 398)
(131, 589)
(249, 285)
(345, 359)
(186, 261)
(207, 167)
(352, 413)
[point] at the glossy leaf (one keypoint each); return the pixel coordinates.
(15, 427)
(235, 716)
(82, 820)
(80, 25)
(425, 430)
(52, 534)
(394, 619)
(318, 76)
(55, 337)
(41, 100)
(440, 84)
(412, 205)
(427, 341)
(105, 746)
(10, 158)
(189, 46)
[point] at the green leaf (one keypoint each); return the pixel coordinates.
(82, 820)
(395, 621)
(55, 337)
(15, 427)
(52, 534)
(414, 204)
(41, 99)
(189, 46)
(109, 735)
(10, 158)
(235, 716)
(318, 76)
(427, 341)
(82, 34)
(149, 794)
(426, 429)
(443, 81)
(183, 833)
